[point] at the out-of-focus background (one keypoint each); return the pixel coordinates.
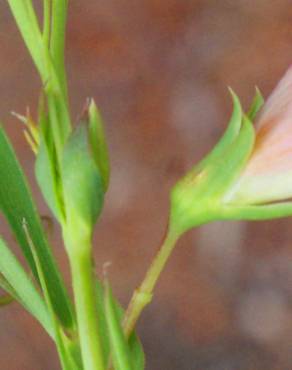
(159, 71)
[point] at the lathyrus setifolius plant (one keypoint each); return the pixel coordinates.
(72, 171)
(247, 176)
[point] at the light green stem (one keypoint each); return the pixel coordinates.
(59, 17)
(143, 295)
(84, 295)
(47, 23)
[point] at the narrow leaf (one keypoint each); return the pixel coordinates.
(16, 204)
(102, 325)
(64, 356)
(136, 351)
(23, 289)
(119, 345)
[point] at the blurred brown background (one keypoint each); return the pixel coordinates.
(158, 70)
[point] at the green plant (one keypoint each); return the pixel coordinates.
(72, 170)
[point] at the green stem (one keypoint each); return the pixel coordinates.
(26, 19)
(47, 23)
(143, 295)
(59, 17)
(85, 303)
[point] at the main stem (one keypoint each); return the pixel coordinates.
(84, 294)
(143, 295)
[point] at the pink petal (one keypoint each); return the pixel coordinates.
(268, 174)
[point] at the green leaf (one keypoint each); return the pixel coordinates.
(102, 325)
(119, 346)
(82, 186)
(137, 353)
(256, 105)
(98, 143)
(23, 289)
(16, 204)
(134, 345)
(65, 357)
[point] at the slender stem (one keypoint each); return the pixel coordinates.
(47, 23)
(26, 19)
(84, 294)
(59, 17)
(143, 295)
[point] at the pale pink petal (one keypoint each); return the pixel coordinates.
(268, 174)
(279, 102)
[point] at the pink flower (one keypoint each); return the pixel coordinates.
(267, 176)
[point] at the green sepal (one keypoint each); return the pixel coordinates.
(82, 184)
(98, 143)
(47, 179)
(197, 198)
(59, 120)
(230, 134)
(256, 104)
(47, 170)
(256, 212)
(233, 160)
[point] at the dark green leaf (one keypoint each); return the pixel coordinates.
(120, 352)
(66, 359)
(16, 204)
(134, 344)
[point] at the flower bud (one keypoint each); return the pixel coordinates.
(85, 172)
